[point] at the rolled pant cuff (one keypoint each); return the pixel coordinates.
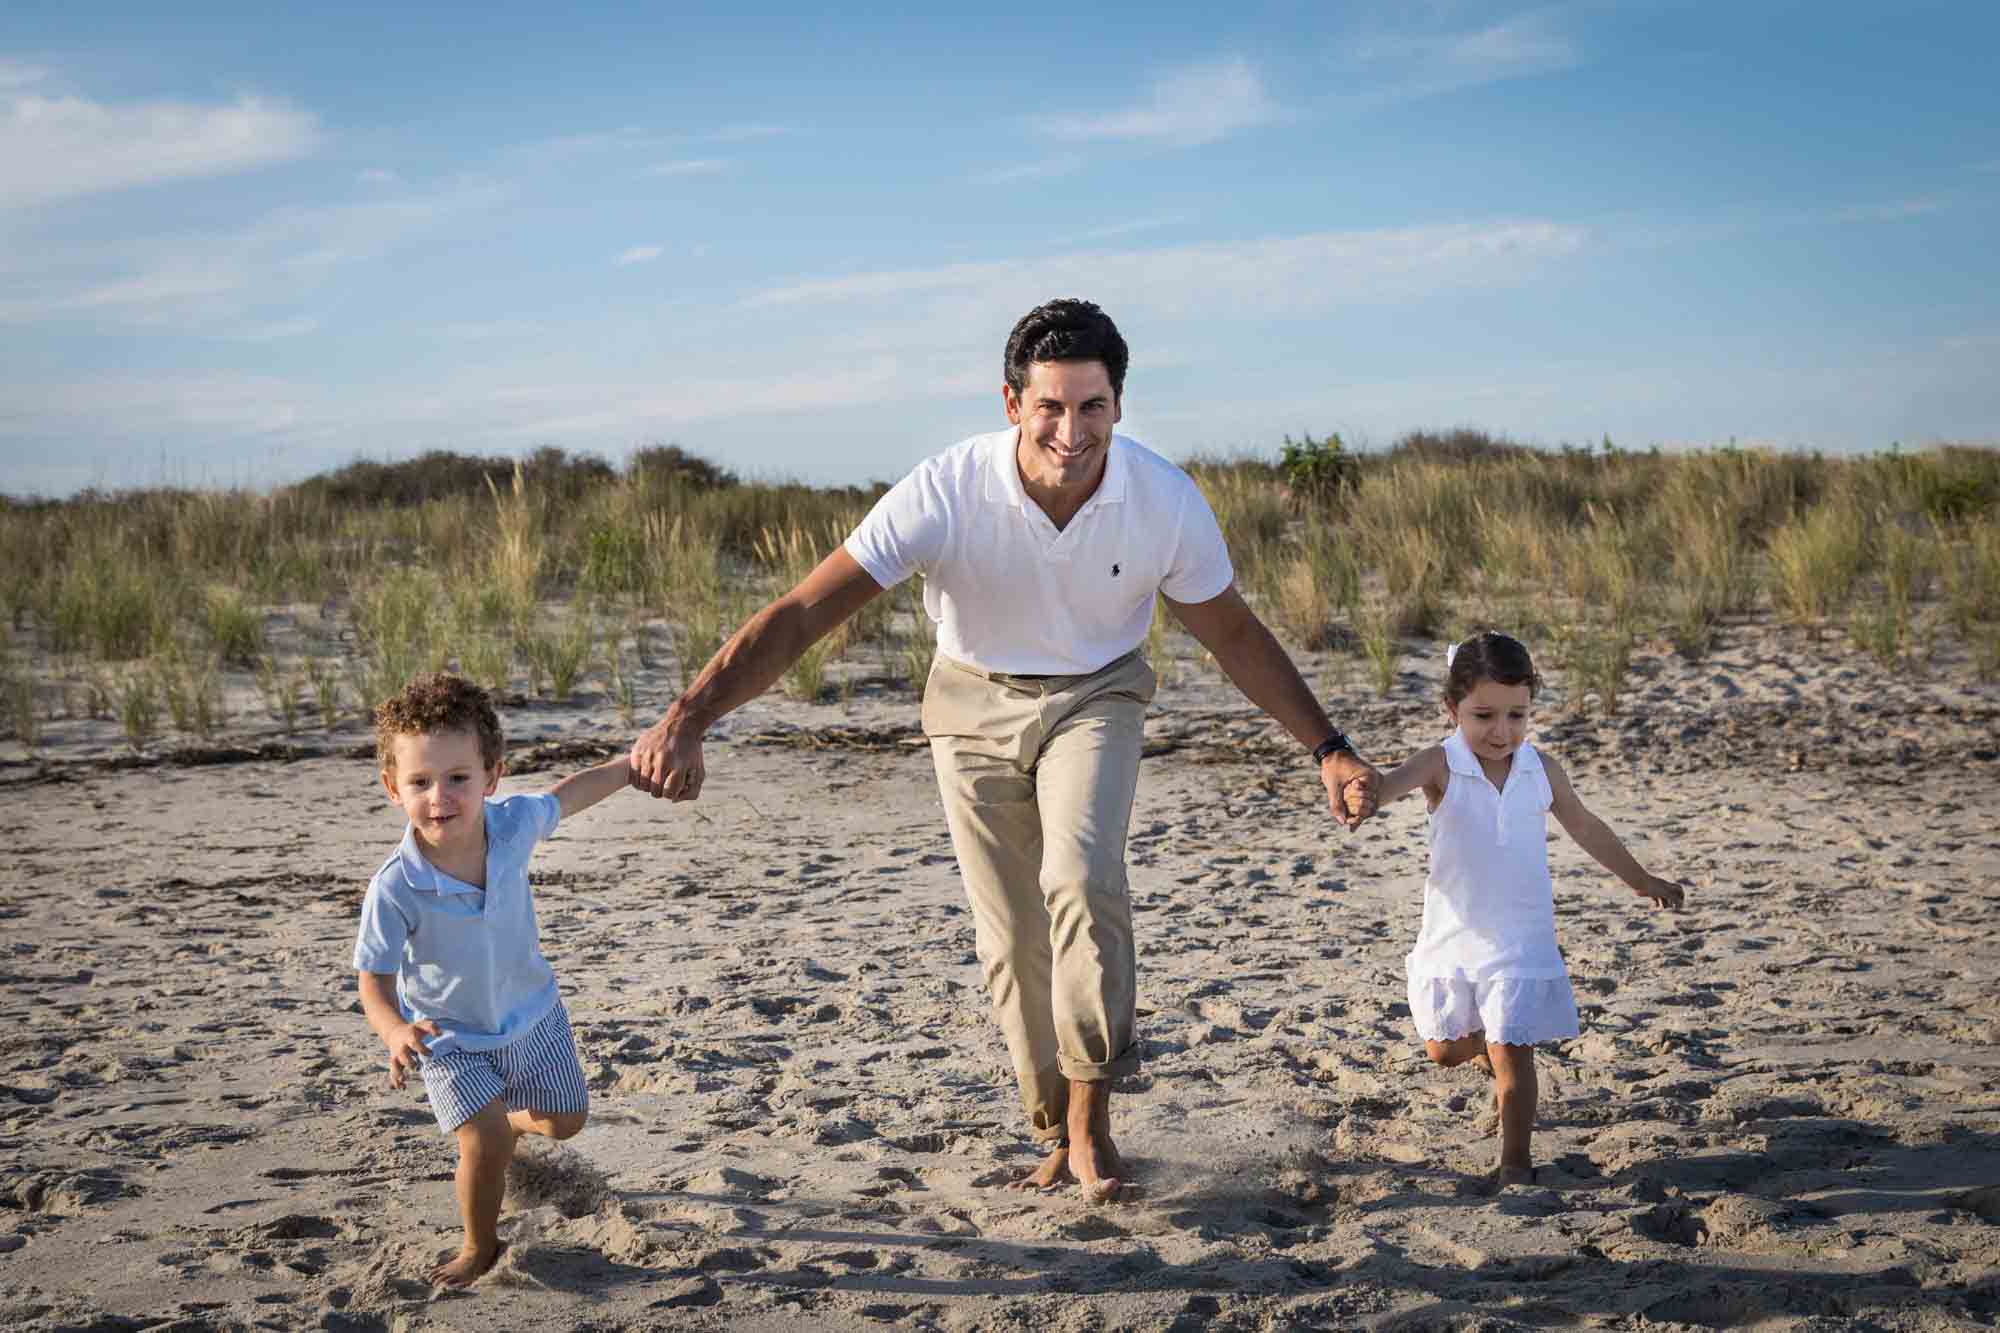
(1080, 1071)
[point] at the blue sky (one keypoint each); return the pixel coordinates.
(241, 243)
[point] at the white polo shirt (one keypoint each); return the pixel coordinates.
(1011, 593)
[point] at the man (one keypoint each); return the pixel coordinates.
(1042, 548)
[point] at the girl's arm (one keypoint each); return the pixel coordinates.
(1425, 768)
(1595, 836)
(580, 791)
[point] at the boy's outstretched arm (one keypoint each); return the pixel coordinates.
(1595, 836)
(580, 791)
(404, 1039)
(1425, 768)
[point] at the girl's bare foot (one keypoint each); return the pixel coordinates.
(1503, 1176)
(470, 1265)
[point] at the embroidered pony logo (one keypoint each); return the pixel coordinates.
(1114, 571)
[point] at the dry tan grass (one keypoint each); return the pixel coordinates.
(531, 574)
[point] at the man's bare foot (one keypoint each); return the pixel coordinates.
(1093, 1168)
(470, 1265)
(1092, 1158)
(1107, 1153)
(1054, 1170)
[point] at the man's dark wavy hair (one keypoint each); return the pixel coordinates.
(1065, 330)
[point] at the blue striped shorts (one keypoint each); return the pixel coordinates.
(540, 1072)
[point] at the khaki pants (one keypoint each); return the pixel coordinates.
(1037, 776)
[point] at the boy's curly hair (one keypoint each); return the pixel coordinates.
(433, 703)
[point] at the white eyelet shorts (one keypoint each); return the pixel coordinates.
(1511, 1011)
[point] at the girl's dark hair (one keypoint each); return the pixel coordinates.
(1489, 655)
(1066, 330)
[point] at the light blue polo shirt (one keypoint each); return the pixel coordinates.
(469, 960)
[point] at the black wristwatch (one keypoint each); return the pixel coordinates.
(1333, 744)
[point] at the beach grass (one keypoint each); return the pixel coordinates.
(330, 593)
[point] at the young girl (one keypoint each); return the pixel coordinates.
(1486, 978)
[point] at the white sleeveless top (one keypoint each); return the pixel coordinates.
(1489, 906)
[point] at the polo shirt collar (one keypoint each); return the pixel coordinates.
(1459, 757)
(421, 875)
(1003, 473)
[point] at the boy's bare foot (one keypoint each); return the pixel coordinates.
(470, 1265)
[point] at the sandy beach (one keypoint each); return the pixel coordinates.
(1783, 1111)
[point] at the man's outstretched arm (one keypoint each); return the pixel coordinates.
(1251, 656)
(666, 759)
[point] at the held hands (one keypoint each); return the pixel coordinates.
(406, 1048)
(1663, 892)
(1352, 787)
(666, 760)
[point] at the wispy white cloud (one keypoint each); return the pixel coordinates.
(235, 404)
(296, 327)
(490, 330)
(1282, 275)
(746, 133)
(626, 138)
(1896, 210)
(567, 410)
(60, 147)
(1117, 229)
(260, 429)
(695, 166)
(640, 254)
(209, 280)
(14, 74)
(639, 139)
(1423, 65)
(376, 176)
(1047, 168)
(1990, 168)
(1644, 233)
(147, 296)
(1189, 106)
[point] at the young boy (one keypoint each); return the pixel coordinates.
(452, 978)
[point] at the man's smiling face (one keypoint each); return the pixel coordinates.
(1065, 412)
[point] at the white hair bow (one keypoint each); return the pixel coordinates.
(1450, 652)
